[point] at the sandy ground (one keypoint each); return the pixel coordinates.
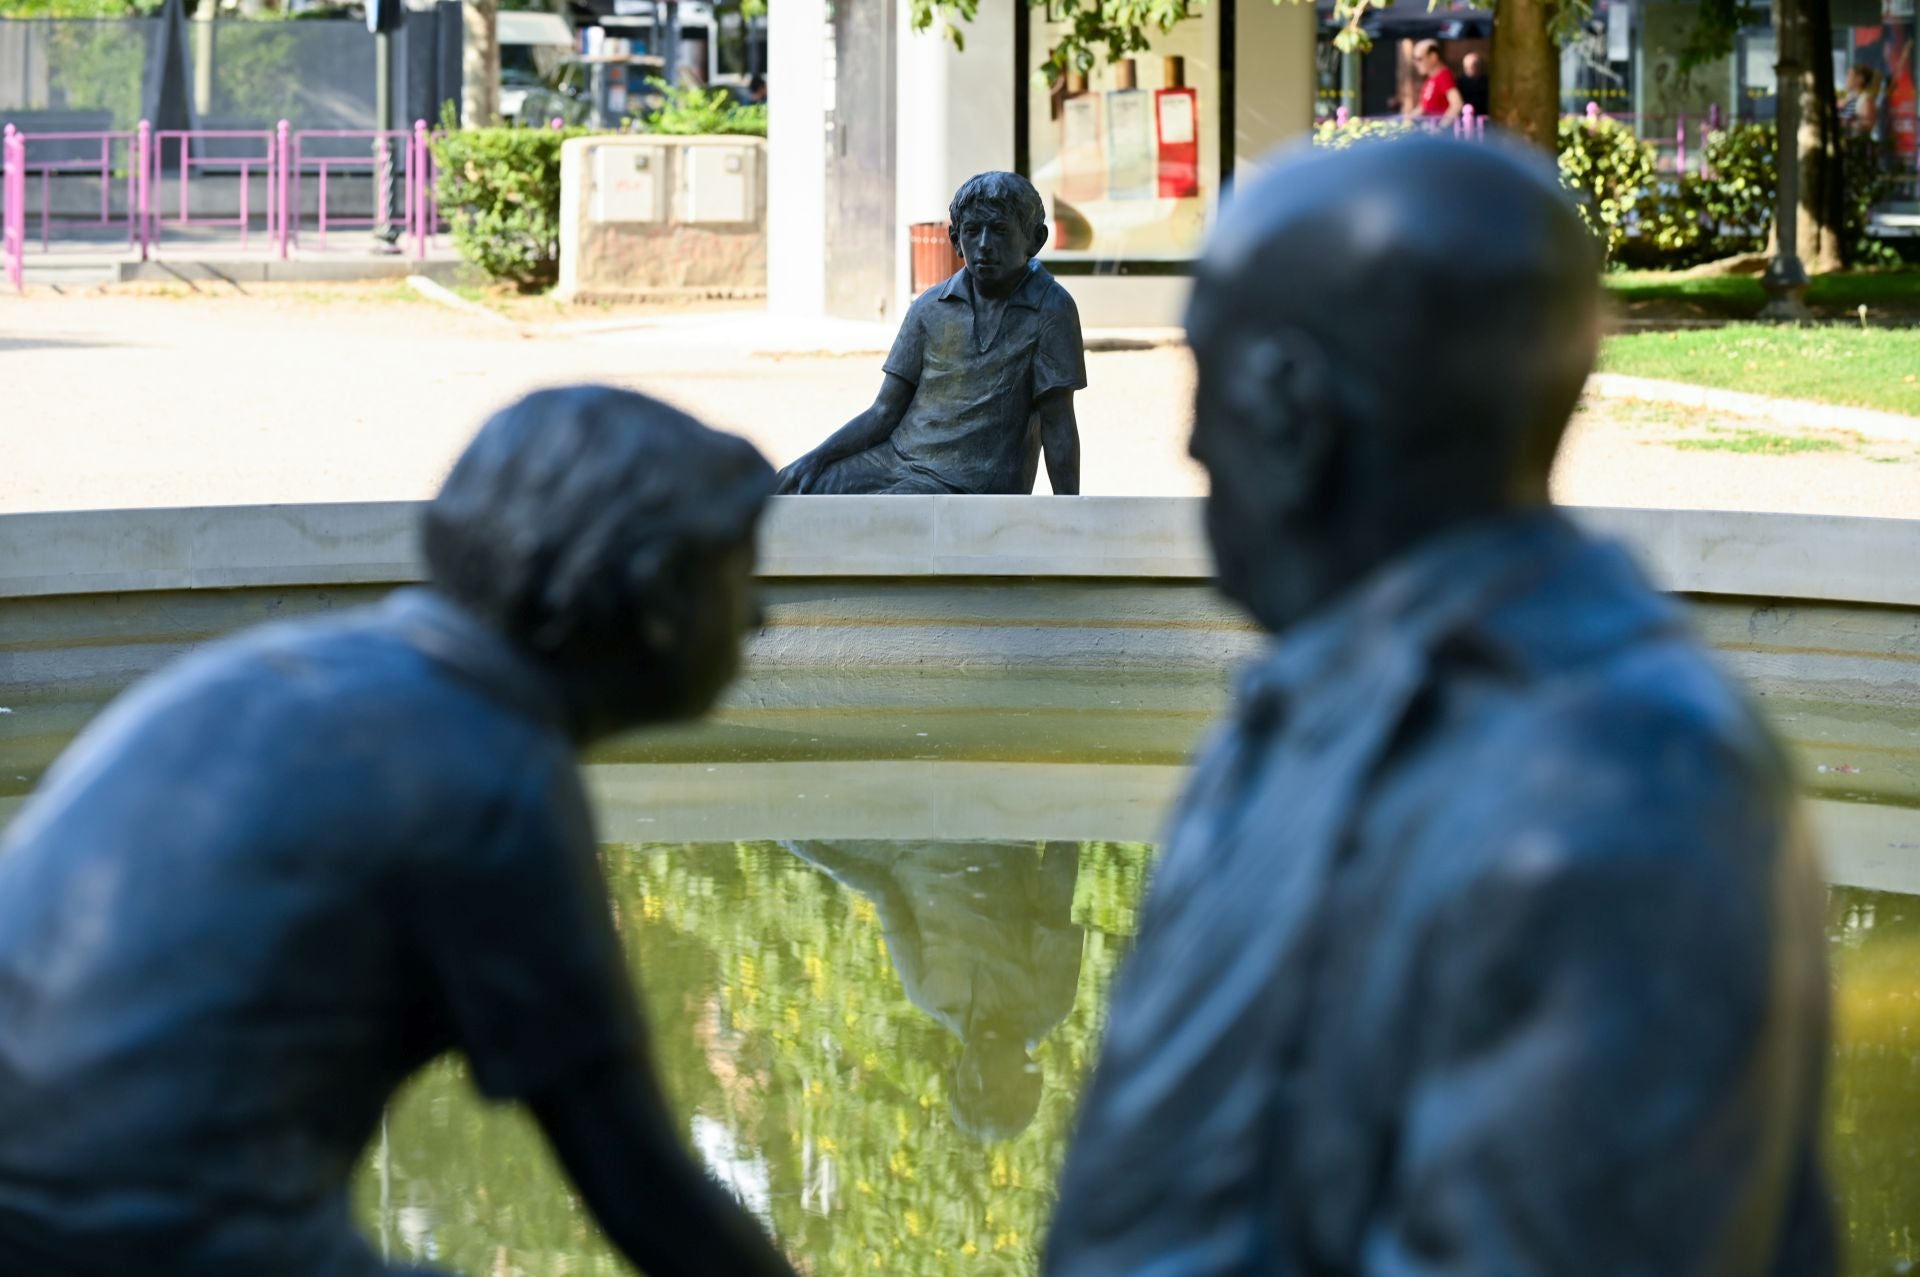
(300, 394)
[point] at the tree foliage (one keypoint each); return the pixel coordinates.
(79, 8)
(1117, 29)
(690, 110)
(780, 1025)
(1114, 29)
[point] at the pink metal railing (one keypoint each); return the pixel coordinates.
(384, 148)
(13, 206)
(280, 158)
(100, 164)
(407, 152)
(266, 160)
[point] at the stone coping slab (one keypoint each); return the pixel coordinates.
(1787, 556)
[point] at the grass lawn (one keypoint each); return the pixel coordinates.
(1741, 296)
(1876, 368)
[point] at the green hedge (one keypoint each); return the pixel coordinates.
(500, 191)
(1649, 221)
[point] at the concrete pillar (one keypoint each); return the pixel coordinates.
(955, 114)
(1273, 77)
(796, 160)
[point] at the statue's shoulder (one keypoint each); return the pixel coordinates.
(1625, 771)
(1052, 295)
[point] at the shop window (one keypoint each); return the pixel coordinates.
(1127, 156)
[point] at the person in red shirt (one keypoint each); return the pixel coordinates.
(1439, 96)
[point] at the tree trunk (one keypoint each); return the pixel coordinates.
(480, 64)
(1525, 71)
(1819, 236)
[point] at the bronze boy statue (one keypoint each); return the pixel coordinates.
(271, 882)
(1485, 940)
(981, 377)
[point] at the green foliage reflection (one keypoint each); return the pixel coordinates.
(783, 1032)
(1875, 1099)
(784, 1035)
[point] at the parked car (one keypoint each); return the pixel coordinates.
(533, 47)
(567, 93)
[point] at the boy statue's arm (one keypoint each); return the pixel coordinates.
(867, 430)
(1060, 440)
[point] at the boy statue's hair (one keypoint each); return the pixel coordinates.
(1008, 192)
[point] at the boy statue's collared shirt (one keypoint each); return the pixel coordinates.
(971, 423)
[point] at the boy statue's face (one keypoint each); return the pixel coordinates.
(995, 246)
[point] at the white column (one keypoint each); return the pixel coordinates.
(1273, 76)
(955, 112)
(796, 158)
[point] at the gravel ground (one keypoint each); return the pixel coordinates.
(302, 394)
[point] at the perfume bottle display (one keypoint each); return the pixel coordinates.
(1083, 159)
(1177, 123)
(1130, 137)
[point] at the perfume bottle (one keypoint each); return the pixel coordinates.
(1083, 161)
(1177, 120)
(1130, 167)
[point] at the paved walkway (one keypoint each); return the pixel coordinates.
(214, 253)
(309, 393)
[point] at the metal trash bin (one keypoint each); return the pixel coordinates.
(933, 257)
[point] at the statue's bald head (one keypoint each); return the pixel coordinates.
(1390, 339)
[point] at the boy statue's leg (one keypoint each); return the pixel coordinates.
(878, 469)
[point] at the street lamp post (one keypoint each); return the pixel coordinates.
(383, 18)
(1786, 277)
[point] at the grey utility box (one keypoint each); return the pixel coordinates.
(720, 184)
(630, 184)
(647, 216)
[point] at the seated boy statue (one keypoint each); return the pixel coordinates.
(982, 375)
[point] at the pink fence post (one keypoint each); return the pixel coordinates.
(1341, 116)
(1465, 128)
(13, 193)
(423, 160)
(1593, 113)
(283, 153)
(1680, 146)
(143, 183)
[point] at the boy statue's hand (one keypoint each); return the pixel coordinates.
(800, 476)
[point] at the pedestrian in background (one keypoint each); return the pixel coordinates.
(1440, 99)
(1474, 90)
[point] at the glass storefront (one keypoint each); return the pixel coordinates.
(1889, 50)
(1127, 156)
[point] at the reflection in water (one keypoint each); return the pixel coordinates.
(1875, 1149)
(828, 1035)
(983, 938)
(810, 1079)
(813, 1026)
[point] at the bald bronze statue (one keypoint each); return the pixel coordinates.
(1485, 939)
(277, 878)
